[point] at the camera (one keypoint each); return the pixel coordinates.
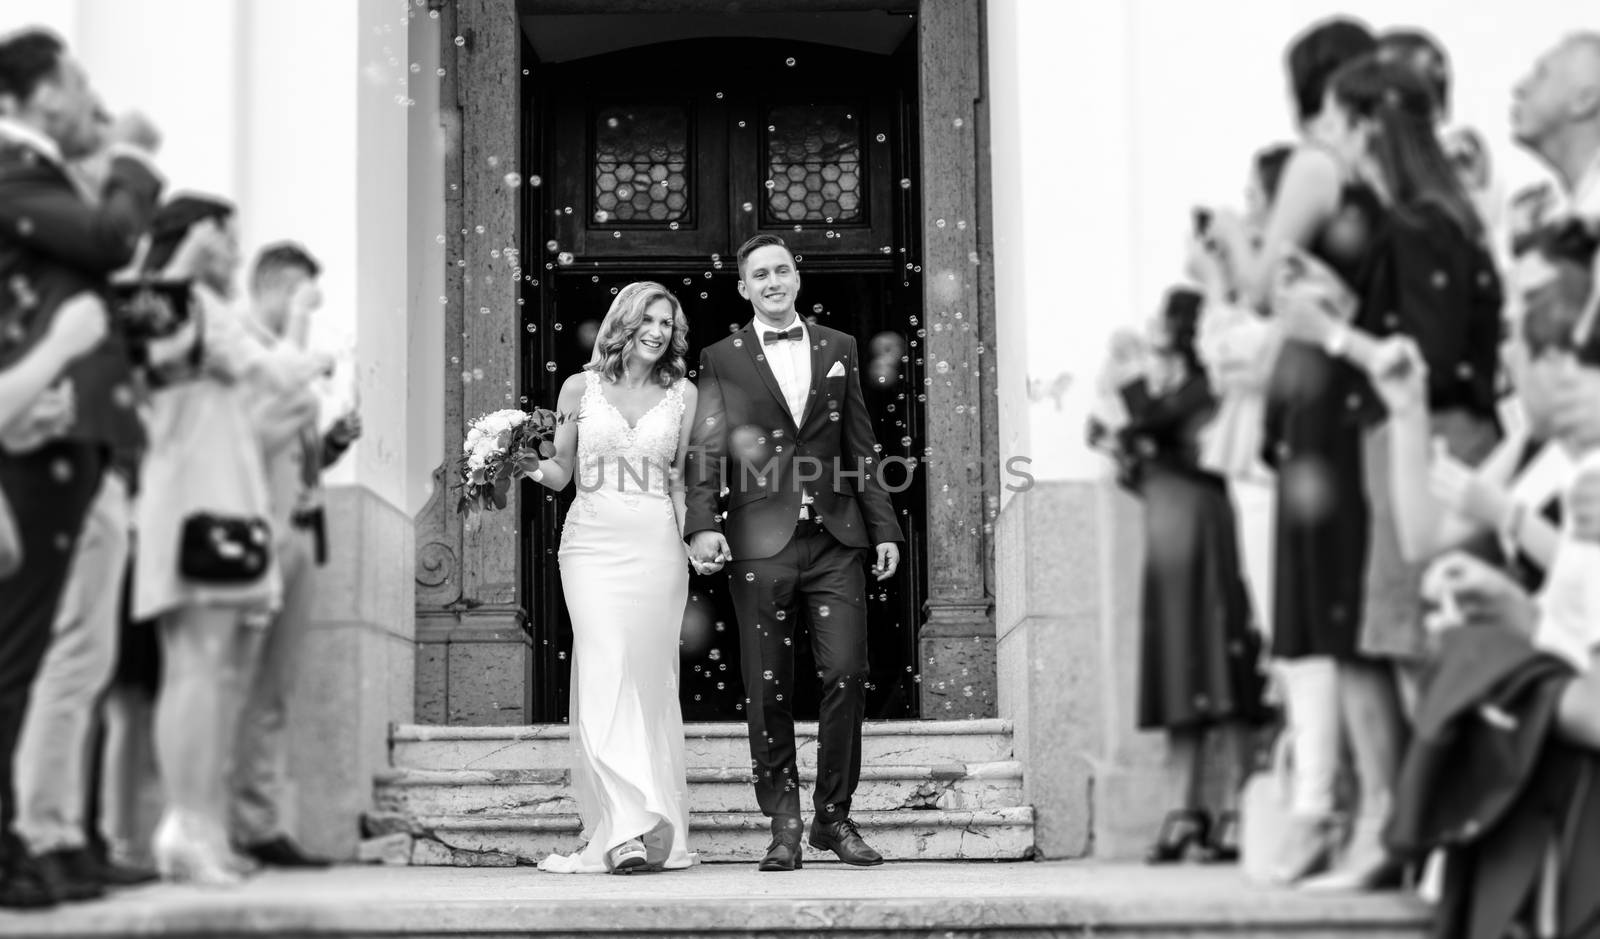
(151, 314)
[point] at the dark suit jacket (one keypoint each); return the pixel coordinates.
(1485, 779)
(53, 245)
(745, 439)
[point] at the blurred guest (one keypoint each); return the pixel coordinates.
(56, 253)
(284, 295)
(1555, 114)
(1198, 652)
(1421, 52)
(204, 478)
(1323, 223)
(1237, 347)
(1507, 510)
(1431, 276)
(54, 789)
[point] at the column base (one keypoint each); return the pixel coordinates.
(355, 672)
(473, 667)
(956, 654)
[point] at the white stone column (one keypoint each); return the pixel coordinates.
(1060, 86)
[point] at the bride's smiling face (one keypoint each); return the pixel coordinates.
(653, 337)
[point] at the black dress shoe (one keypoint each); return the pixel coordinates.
(784, 852)
(844, 839)
(23, 886)
(282, 852)
(89, 864)
(69, 876)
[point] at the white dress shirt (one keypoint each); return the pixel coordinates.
(791, 364)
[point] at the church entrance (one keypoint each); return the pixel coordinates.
(655, 162)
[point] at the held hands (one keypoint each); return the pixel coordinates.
(708, 552)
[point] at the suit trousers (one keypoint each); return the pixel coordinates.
(816, 577)
(261, 789)
(50, 491)
(52, 754)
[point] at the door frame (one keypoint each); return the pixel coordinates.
(471, 607)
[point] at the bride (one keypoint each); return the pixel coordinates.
(624, 572)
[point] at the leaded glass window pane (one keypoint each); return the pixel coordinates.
(814, 170)
(641, 164)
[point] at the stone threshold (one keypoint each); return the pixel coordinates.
(428, 732)
(733, 900)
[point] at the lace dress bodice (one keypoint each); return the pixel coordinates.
(629, 465)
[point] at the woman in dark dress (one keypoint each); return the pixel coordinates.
(1321, 228)
(1199, 656)
(1428, 274)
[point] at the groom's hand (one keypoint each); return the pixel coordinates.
(888, 560)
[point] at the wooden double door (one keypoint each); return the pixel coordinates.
(656, 164)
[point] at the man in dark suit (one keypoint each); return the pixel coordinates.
(781, 408)
(56, 247)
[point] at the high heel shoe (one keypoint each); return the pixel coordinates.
(184, 855)
(1306, 849)
(1366, 865)
(1179, 831)
(1223, 845)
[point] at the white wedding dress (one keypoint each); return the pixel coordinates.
(625, 575)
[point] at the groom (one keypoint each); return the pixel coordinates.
(782, 427)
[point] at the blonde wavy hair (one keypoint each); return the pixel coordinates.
(621, 325)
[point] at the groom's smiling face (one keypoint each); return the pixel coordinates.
(771, 283)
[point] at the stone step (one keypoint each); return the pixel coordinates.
(978, 786)
(731, 901)
(723, 745)
(933, 835)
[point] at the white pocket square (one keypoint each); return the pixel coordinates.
(837, 371)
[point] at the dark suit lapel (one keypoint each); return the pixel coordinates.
(758, 360)
(819, 378)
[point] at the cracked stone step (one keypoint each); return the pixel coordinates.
(545, 791)
(501, 840)
(546, 746)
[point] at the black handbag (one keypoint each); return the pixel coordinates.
(219, 549)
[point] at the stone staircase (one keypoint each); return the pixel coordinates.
(500, 796)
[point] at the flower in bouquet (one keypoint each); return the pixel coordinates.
(500, 447)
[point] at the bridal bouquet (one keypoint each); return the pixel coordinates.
(499, 447)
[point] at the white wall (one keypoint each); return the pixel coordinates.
(1111, 120)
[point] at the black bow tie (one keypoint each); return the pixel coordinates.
(794, 332)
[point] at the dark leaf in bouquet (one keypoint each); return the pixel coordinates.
(463, 506)
(501, 492)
